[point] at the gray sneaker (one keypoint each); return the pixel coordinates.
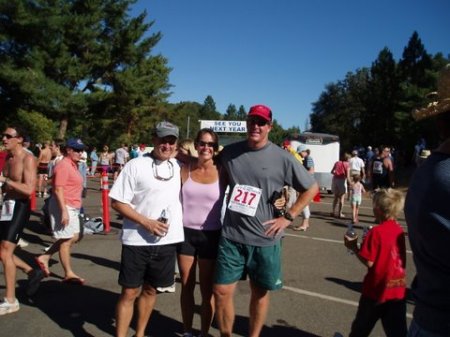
(9, 308)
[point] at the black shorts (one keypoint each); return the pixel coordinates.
(117, 167)
(42, 168)
(152, 265)
(200, 243)
(12, 230)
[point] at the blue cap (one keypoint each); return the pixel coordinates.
(75, 143)
(301, 148)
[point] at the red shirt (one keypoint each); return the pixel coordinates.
(340, 169)
(67, 176)
(3, 155)
(384, 245)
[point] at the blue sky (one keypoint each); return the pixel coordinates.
(283, 53)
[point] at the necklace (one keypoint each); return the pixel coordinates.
(156, 174)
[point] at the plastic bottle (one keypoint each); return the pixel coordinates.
(351, 235)
(164, 218)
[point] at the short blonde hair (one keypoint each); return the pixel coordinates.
(188, 145)
(390, 202)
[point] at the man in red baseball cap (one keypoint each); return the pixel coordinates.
(255, 170)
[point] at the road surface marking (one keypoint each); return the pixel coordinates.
(327, 297)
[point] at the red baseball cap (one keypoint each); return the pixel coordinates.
(261, 111)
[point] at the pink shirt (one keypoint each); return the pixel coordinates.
(202, 204)
(67, 176)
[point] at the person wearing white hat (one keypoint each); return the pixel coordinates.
(428, 218)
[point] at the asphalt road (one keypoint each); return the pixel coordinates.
(322, 283)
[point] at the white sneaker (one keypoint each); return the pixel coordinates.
(169, 289)
(22, 243)
(9, 308)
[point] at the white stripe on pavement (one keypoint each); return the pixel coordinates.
(327, 297)
(322, 239)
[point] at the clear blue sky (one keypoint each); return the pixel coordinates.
(283, 53)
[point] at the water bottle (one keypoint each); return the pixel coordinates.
(351, 235)
(365, 231)
(164, 218)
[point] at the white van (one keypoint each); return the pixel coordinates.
(325, 152)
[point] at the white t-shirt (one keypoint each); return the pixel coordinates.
(356, 164)
(137, 186)
(121, 156)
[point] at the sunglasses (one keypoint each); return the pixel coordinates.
(77, 150)
(8, 136)
(209, 144)
(168, 140)
(257, 121)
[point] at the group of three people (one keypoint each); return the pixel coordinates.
(246, 243)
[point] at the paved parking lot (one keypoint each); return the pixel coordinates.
(322, 285)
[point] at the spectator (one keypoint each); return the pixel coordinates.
(147, 195)
(340, 173)
(93, 156)
(18, 183)
(250, 242)
(308, 163)
(383, 252)
(427, 215)
(382, 170)
(64, 210)
(120, 159)
(356, 165)
(45, 155)
(357, 190)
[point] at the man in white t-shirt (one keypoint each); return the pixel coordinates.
(120, 158)
(356, 165)
(147, 195)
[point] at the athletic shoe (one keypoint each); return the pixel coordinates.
(9, 308)
(34, 281)
(169, 289)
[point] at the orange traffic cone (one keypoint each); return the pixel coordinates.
(33, 201)
(317, 197)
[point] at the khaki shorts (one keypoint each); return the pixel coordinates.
(262, 264)
(60, 231)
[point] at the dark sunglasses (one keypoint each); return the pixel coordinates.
(209, 144)
(8, 136)
(168, 140)
(257, 121)
(77, 150)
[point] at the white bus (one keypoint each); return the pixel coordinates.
(325, 152)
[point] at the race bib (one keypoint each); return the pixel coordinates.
(245, 199)
(7, 210)
(377, 167)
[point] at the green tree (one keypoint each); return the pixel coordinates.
(231, 114)
(208, 110)
(85, 64)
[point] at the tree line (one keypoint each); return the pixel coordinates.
(86, 68)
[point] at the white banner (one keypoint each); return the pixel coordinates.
(224, 126)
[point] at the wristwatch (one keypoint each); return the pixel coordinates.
(288, 216)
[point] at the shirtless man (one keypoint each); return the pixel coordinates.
(18, 182)
(45, 155)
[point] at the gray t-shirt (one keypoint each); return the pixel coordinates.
(269, 169)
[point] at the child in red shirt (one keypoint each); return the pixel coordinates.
(383, 251)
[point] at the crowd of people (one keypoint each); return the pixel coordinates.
(191, 202)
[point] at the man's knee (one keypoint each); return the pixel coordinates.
(223, 291)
